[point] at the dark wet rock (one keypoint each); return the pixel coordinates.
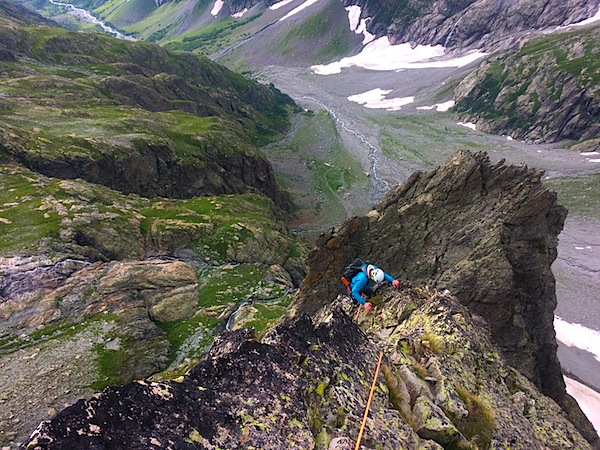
(156, 171)
(306, 383)
(487, 233)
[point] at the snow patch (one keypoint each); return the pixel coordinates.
(588, 400)
(353, 16)
(368, 37)
(297, 9)
(589, 153)
(358, 25)
(439, 106)
(576, 335)
(375, 98)
(280, 4)
(470, 125)
(594, 18)
(594, 160)
(239, 15)
(380, 54)
(216, 7)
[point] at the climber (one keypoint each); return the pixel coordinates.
(362, 285)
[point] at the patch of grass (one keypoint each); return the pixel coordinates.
(317, 32)
(268, 314)
(109, 365)
(478, 425)
(230, 220)
(420, 139)
(57, 330)
(22, 221)
(394, 148)
(481, 99)
(228, 286)
(579, 194)
(315, 167)
(433, 343)
(209, 39)
(178, 332)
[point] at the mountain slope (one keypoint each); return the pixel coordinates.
(99, 285)
(139, 119)
(548, 90)
(305, 385)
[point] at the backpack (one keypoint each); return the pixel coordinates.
(352, 269)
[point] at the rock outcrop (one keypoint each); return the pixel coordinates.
(98, 288)
(545, 91)
(480, 23)
(442, 384)
(486, 232)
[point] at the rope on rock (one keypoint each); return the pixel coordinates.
(364, 421)
(356, 314)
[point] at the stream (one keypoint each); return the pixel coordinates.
(250, 301)
(380, 185)
(89, 18)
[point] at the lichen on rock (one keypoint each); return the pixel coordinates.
(306, 383)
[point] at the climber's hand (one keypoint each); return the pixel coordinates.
(396, 284)
(368, 306)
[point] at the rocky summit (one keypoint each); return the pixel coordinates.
(441, 384)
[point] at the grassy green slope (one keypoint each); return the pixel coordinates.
(318, 35)
(319, 172)
(67, 98)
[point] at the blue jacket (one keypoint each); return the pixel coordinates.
(361, 282)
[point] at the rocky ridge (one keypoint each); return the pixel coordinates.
(458, 24)
(442, 384)
(487, 233)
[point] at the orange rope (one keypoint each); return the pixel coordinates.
(357, 313)
(364, 421)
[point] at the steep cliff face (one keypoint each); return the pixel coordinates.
(482, 23)
(488, 233)
(154, 169)
(441, 384)
(546, 91)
